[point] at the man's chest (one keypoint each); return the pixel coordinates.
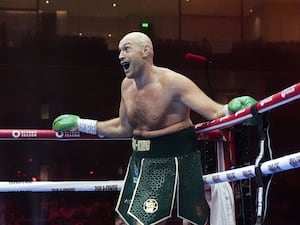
(147, 108)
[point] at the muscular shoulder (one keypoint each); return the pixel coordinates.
(166, 75)
(174, 79)
(126, 83)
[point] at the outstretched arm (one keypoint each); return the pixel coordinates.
(192, 96)
(117, 127)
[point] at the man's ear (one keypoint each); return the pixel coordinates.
(146, 50)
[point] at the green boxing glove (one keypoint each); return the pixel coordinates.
(69, 122)
(66, 122)
(240, 103)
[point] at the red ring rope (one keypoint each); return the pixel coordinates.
(204, 130)
(283, 97)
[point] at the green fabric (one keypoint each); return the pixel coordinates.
(192, 204)
(175, 144)
(166, 166)
(154, 195)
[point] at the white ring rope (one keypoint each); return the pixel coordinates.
(269, 167)
(284, 163)
(57, 186)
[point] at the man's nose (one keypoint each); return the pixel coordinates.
(121, 55)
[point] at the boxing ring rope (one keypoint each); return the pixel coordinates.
(206, 131)
(269, 167)
(283, 97)
(60, 186)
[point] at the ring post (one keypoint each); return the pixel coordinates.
(265, 153)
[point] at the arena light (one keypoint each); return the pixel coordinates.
(145, 25)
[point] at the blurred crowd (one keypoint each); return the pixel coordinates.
(57, 211)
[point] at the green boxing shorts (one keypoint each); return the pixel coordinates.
(164, 174)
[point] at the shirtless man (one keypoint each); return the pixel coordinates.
(164, 171)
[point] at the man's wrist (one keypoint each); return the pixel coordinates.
(226, 110)
(87, 126)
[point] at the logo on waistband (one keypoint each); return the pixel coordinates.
(150, 206)
(141, 145)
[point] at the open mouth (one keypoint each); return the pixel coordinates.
(125, 65)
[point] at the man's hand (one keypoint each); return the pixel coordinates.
(66, 122)
(240, 103)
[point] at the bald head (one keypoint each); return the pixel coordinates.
(139, 38)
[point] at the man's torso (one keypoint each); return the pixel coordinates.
(155, 106)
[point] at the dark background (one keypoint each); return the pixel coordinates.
(87, 83)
